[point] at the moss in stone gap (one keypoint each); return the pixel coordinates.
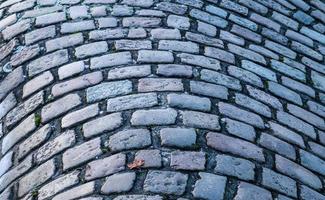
(37, 120)
(34, 193)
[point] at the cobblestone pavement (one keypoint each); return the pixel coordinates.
(158, 100)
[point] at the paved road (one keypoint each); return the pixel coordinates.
(153, 100)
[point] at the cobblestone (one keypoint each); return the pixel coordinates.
(249, 191)
(81, 153)
(108, 89)
(235, 146)
(106, 166)
(187, 160)
(126, 181)
(120, 98)
(209, 186)
(297, 172)
(165, 182)
(237, 167)
(200, 120)
(154, 117)
(136, 138)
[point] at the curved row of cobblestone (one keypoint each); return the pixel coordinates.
(153, 100)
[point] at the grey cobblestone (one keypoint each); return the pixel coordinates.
(245, 76)
(297, 172)
(58, 185)
(91, 49)
(105, 123)
(154, 117)
(108, 89)
(165, 182)
(136, 138)
(120, 96)
(200, 120)
(105, 166)
(249, 191)
(209, 186)
(56, 108)
(77, 83)
(129, 72)
(81, 153)
(237, 167)
(240, 129)
(240, 114)
(184, 101)
(47, 62)
(178, 137)
(235, 146)
(126, 181)
(279, 182)
(188, 160)
(34, 140)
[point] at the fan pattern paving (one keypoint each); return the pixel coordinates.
(159, 100)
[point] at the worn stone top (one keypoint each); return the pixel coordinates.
(162, 100)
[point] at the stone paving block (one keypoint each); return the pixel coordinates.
(36, 177)
(171, 70)
(131, 102)
(20, 131)
(130, 139)
(237, 167)
(110, 60)
(21, 110)
(208, 18)
(202, 61)
(152, 158)
(25, 55)
(60, 106)
(200, 120)
(58, 185)
(249, 191)
(129, 72)
(125, 180)
(154, 117)
(81, 153)
(220, 79)
(91, 49)
(187, 160)
(11, 81)
(253, 105)
(296, 171)
(178, 22)
(210, 186)
(191, 102)
(165, 182)
(76, 192)
(7, 104)
(296, 124)
(6, 162)
(277, 145)
(106, 166)
(47, 62)
(77, 83)
(108, 89)
(34, 140)
(240, 129)
(235, 146)
(101, 124)
(178, 137)
(160, 84)
(241, 115)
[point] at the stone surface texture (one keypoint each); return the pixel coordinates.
(162, 99)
